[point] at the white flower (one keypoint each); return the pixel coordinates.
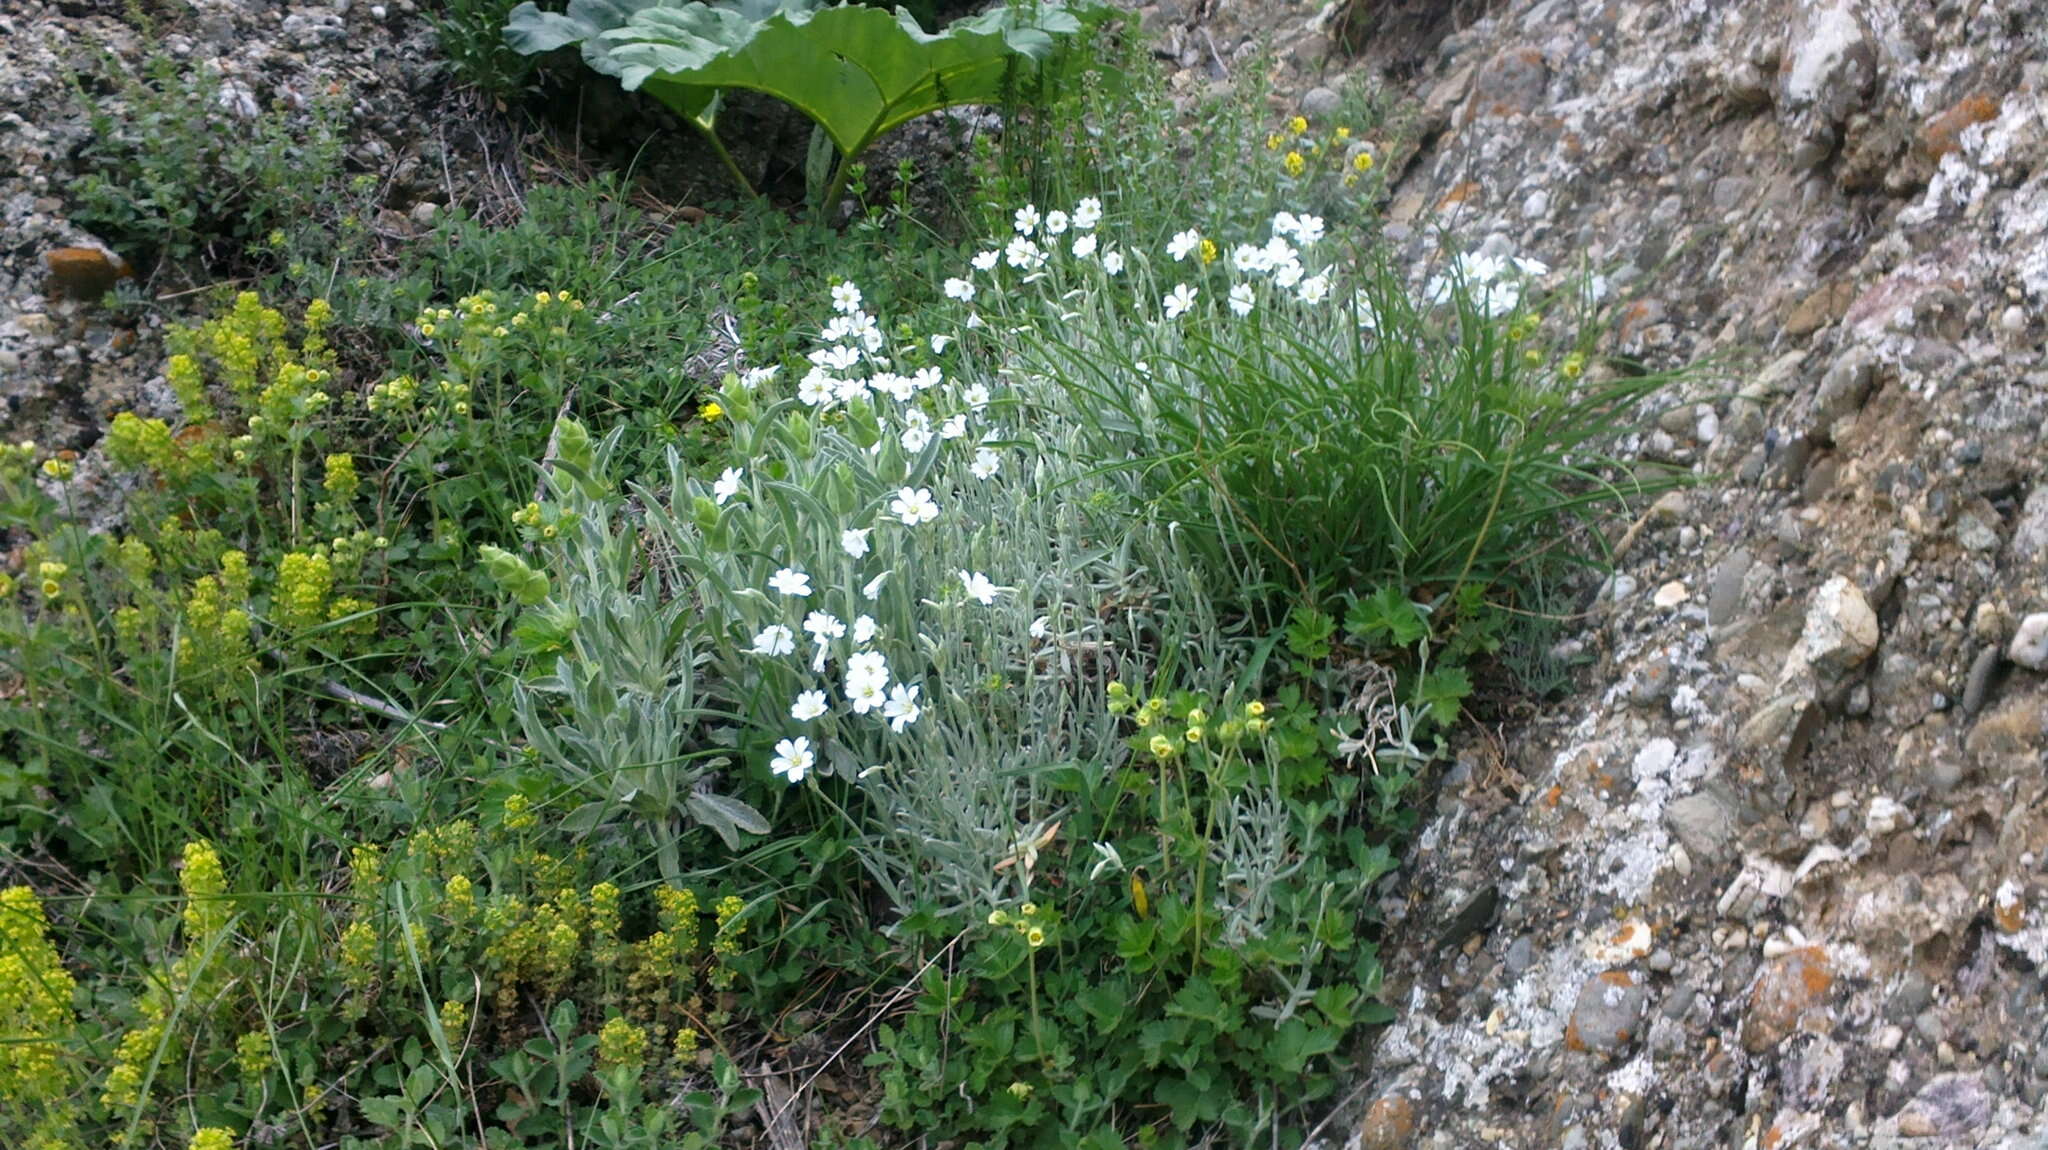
(975, 396)
(1531, 267)
(873, 587)
(1184, 245)
(916, 439)
(1304, 230)
(864, 628)
(898, 387)
(1107, 861)
(823, 625)
(960, 289)
(854, 541)
(1026, 219)
(1249, 259)
(866, 695)
(1597, 288)
(1041, 627)
(986, 463)
(845, 298)
(850, 389)
(1179, 300)
(837, 358)
(774, 639)
(1142, 367)
(867, 667)
(1022, 253)
(1314, 290)
(1084, 245)
(927, 378)
(1241, 299)
(728, 484)
(756, 376)
(939, 344)
(901, 710)
(1055, 222)
(837, 328)
(809, 705)
(1113, 262)
(790, 581)
(978, 587)
(954, 427)
(985, 261)
(1278, 252)
(793, 759)
(816, 387)
(914, 506)
(1288, 274)
(1087, 214)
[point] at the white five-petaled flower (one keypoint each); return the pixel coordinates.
(817, 387)
(1179, 300)
(866, 694)
(1249, 258)
(854, 541)
(986, 463)
(1084, 245)
(1107, 861)
(845, 298)
(1026, 219)
(1023, 254)
(985, 261)
(975, 395)
(1087, 214)
(793, 759)
(978, 587)
(954, 427)
(960, 289)
(914, 506)
(1531, 267)
(901, 710)
(864, 628)
(927, 377)
(939, 344)
(915, 439)
(867, 667)
(873, 587)
(1041, 627)
(850, 389)
(1184, 245)
(728, 484)
(791, 582)
(1288, 274)
(1055, 222)
(774, 639)
(1308, 230)
(839, 357)
(1113, 262)
(1314, 290)
(1241, 300)
(809, 705)
(756, 376)
(823, 625)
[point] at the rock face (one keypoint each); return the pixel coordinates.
(1819, 777)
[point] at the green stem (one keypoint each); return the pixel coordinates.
(840, 175)
(731, 166)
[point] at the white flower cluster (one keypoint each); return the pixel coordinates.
(850, 366)
(1493, 283)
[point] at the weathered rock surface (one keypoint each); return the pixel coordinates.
(1819, 778)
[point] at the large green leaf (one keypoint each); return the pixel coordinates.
(855, 71)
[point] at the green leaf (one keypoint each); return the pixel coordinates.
(1443, 691)
(1386, 617)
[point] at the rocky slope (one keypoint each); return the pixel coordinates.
(1776, 878)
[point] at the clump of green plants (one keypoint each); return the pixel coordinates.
(192, 166)
(855, 71)
(464, 981)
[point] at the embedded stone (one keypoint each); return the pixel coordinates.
(2029, 646)
(1608, 1016)
(1389, 1124)
(85, 273)
(1789, 994)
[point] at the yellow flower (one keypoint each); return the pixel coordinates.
(1194, 734)
(1298, 125)
(621, 1044)
(1036, 937)
(58, 469)
(1274, 141)
(1210, 251)
(711, 412)
(1362, 162)
(213, 1138)
(1574, 366)
(1255, 708)
(1029, 908)
(1343, 134)
(1295, 164)
(1162, 747)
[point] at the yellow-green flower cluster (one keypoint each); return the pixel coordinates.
(50, 578)
(519, 814)
(341, 480)
(359, 955)
(35, 1003)
(16, 459)
(726, 945)
(215, 637)
(454, 1018)
(205, 883)
(213, 1138)
(1306, 153)
(303, 582)
(620, 1044)
(134, 442)
(1030, 920)
(253, 1056)
(129, 1076)
(135, 560)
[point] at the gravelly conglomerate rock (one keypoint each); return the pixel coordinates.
(65, 363)
(1778, 876)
